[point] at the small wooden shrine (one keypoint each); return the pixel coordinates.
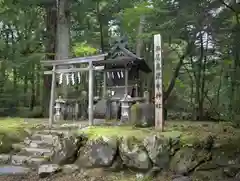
(123, 75)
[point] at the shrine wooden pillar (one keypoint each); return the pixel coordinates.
(126, 81)
(90, 93)
(52, 97)
(104, 91)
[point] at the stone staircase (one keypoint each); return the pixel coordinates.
(34, 151)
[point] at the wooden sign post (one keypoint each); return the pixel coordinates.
(159, 121)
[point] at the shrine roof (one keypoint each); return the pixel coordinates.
(118, 56)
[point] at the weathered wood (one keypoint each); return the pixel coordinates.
(97, 60)
(104, 85)
(159, 120)
(52, 97)
(71, 70)
(90, 94)
(126, 81)
(74, 60)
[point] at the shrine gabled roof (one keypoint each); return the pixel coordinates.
(120, 52)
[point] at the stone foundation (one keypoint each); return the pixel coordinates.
(203, 160)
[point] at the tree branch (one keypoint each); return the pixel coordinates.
(176, 73)
(228, 6)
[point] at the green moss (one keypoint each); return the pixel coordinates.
(189, 133)
(116, 131)
(12, 130)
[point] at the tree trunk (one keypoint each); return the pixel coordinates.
(25, 90)
(99, 17)
(63, 37)
(38, 84)
(139, 46)
(32, 80)
(51, 20)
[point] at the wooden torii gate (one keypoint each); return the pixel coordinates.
(95, 63)
(55, 63)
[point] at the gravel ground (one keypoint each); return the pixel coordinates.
(87, 175)
(97, 174)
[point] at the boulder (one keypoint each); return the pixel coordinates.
(66, 149)
(134, 154)
(46, 170)
(237, 176)
(104, 108)
(71, 168)
(117, 164)
(187, 159)
(142, 114)
(226, 155)
(100, 109)
(98, 152)
(158, 149)
(181, 178)
(213, 175)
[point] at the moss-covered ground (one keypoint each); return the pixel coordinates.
(12, 130)
(188, 131)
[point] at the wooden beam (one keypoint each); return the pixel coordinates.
(70, 70)
(74, 60)
(126, 81)
(159, 120)
(52, 97)
(97, 60)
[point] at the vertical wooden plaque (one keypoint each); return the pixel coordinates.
(158, 79)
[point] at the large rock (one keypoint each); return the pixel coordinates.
(100, 109)
(133, 154)
(142, 115)
(66, 149)
(181, 178)
(187, 159)
(46, 170)
(158, 149)
(226, 155)
(213, 175)
(104, 108)
(98, 152)
(68, 169)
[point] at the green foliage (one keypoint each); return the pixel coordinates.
(83, 49)
(208, 80)
(11, 131)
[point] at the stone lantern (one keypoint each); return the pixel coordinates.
(59, 109)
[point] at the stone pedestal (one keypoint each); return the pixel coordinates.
(125, 108)
(146, 96)
(59, 109)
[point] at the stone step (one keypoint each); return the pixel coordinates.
(37, 141)
(32, 144)
(4, 159)
(21, 160)
(18, 146)
(45, 152)
(52, 132)
(13, 170)
(43, 137)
